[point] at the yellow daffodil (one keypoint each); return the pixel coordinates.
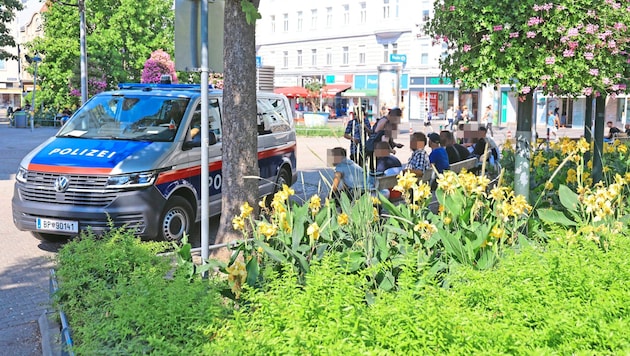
(553, 163)
(406, 180)
(583, 146)
(266, 229)
(238, 223)
(571, 175)
(343, 219)
(313, 232)
(314, 204)
(548, 185)
(246, 210)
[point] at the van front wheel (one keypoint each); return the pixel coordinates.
(176, 219)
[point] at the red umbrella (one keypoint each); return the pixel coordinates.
(292, 92)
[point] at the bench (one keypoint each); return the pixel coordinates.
(468, 164)
(621, 136)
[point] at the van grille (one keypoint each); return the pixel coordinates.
(82, 190)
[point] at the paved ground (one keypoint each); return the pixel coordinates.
(24, 261)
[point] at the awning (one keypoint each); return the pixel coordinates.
(10, 91)
(360, 93)
(292, 92)
(331, 90)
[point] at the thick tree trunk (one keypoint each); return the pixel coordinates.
(240, 156)
(523, 150)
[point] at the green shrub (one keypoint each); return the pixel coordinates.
(560, 299)
(118, 300)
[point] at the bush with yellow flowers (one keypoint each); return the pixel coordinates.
(469, 223)
(287, 233)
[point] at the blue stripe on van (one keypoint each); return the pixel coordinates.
(76, 152)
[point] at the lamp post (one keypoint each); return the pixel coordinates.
(84, 75)
(36, 59)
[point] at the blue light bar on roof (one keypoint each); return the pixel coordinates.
(160, 86)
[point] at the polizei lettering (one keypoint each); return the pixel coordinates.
(82, 152)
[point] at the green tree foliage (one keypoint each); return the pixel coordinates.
(120, 36)
(8, 9)
(561, 47)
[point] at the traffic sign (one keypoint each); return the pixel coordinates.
(258, 61)
(397, 57)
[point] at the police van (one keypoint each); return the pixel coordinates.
(132, 157)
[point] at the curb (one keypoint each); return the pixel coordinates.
(50, 332)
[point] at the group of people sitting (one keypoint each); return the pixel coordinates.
(378, 158)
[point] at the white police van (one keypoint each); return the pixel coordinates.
(131, 157)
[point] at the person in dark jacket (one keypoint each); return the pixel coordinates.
(455, 151)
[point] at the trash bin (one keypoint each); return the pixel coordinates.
(20, 119)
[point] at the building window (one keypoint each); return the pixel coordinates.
(425, 15)
(363, 12)
(385, 53)
(273, 24)
(424, 54)
(313, 57)
(362, 54)
(286, 22)
(396, 8)
(329, 56)
(346, 55)
(299, 21)
(299, 58)
(385, 9)
(394, 48)
(285, 59)
(346, 14)
(329, 17)
(313, 19)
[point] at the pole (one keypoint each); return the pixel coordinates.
(205, 174)
(84, 75)
(321, 99)
(522, 151)
(35, 60)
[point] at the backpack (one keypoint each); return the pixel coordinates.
(374, 138)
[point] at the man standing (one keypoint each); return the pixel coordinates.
(357, 133)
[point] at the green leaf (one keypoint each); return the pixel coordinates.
(388, 282)
(351, 261)
(568, 198)
(555, 217)
(271, 252)
(251, 12)
(253, 270)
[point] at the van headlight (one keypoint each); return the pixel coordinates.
(133, 180)
(21, 175)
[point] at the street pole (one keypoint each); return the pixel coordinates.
(84, 74)
(205, 136)
(321, 83)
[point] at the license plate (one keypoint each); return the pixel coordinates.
(57, 225)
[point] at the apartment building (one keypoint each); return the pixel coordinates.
(10, 89)
(343, 43)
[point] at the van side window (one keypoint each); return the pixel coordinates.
(272, 116)
(214, 120)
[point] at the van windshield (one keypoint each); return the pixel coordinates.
(127, 117)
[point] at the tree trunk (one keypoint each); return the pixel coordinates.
(598, 138)
(240, 154)
(588, 124)
(522, 150)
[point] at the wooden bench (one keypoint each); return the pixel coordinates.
(468, 164)
(621, 136)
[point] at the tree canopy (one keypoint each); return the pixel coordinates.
(8, 8)
(575, 47)
(120, 37)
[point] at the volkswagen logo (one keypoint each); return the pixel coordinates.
(61, 184)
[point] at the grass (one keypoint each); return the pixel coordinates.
(320, 131)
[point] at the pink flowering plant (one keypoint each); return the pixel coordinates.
(158, 64)
(562, 47)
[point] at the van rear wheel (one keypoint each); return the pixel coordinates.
(283, 178)
(176, 220)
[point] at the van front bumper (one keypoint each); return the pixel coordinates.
(136, 209)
